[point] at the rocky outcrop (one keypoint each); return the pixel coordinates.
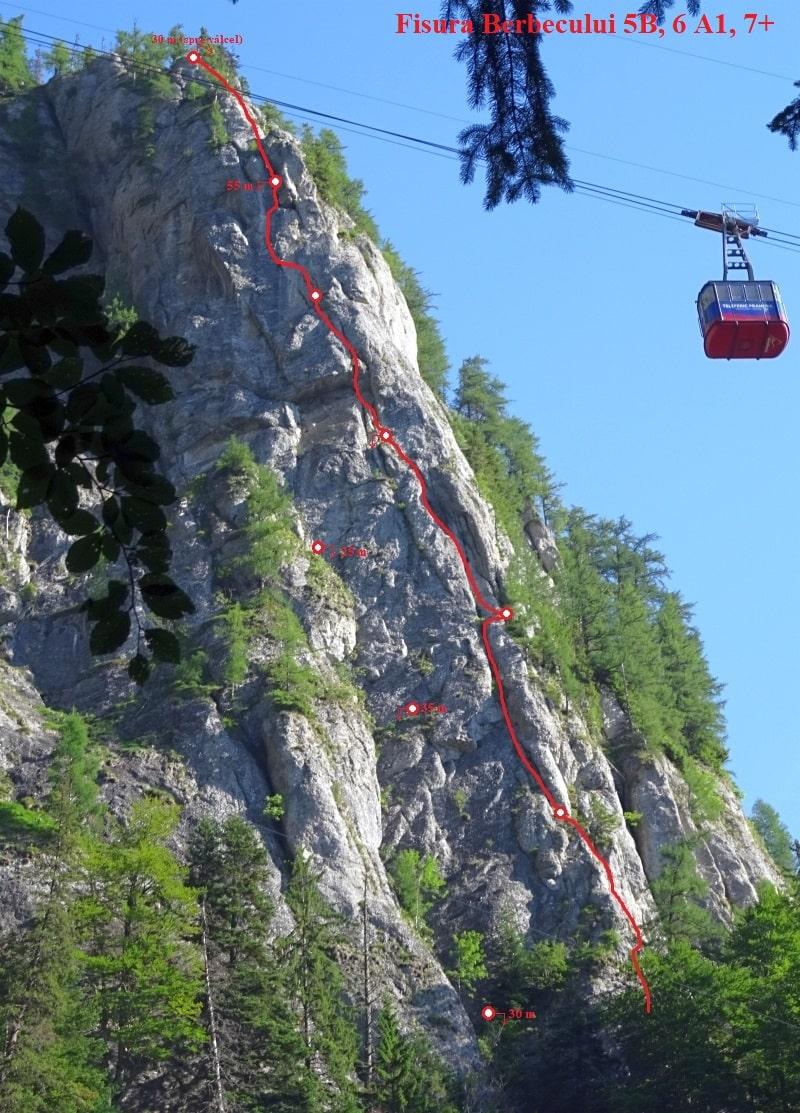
(357, 782)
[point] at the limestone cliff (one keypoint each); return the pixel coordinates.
(190, 255)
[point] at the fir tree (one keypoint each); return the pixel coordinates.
(309, 955)
(260, 1054)
(395, 1066)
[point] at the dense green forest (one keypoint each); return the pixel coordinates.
(140, 970)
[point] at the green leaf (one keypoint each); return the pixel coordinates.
(26, 239)
(33, 484)
(22, 391)
(141, 339)
(37, 359)
(164, 597)
(11, 357)
(145, 516)
(174, 351)
(111, 547)
(79, 524)
(84, 553)
(79, 473)
(74, 250)
(65, 374)
(112, 388)
(80, 296)
(7, 268)
(151, 386)
(163, 645)
(139, 668)
(153, 488)
(110, 510)
(110, 633)
(62, 495)
(26, 451)
(66, 449)
(3, 446)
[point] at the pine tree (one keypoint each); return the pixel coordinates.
(677, 891)
(60, 59)
(695, 691)
(50, 1059)
(139, 925)
(775, 834)
(521, 145)
(15, 73)
(309, 954)
(480, 396)
(260, 1053)
(395, 1066)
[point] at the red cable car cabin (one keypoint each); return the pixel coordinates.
(742, 320)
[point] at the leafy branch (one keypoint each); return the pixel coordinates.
(69, 388)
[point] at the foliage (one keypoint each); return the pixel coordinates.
(15, 73)
(273, 119)
(774, 833)
(52, 1056)
(295, 686)
(219, 133)
(234, 619)
(324, 158)
(274, 807)
(678, 891)
(190, 675)
(137, 924)
(121, 317)
(72, 428)
(257, 1039)
(705, 801)
(431, 352)
(460, 799)
(309, 956)
(418, 883)
(721, 1034)
(470, 964)
(521, 144)
(407, 1075)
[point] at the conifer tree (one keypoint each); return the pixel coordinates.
(50, 1059)
(409, 1078)
(61, 59)
(309, 954)
(259, 1049)
(775, 834)
(678, 891)
(15, 73)
(695, 691)
(139, 925)
(395, 1068)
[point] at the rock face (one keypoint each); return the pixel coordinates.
(190, 255)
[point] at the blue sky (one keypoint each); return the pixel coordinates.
(586, 308)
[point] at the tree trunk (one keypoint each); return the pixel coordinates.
(220, 1104)
(367, 993)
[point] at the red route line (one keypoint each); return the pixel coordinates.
(387, 438)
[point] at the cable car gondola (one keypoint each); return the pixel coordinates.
(739, 319)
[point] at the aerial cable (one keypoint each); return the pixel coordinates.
(600, 192)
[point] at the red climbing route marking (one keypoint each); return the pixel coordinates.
(386, 436)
